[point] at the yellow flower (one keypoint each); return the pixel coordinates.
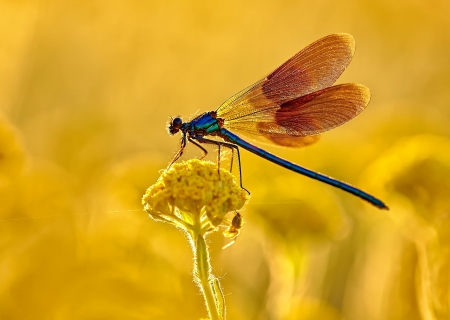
(191, 191)
(195, 197)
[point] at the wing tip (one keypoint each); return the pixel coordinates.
(344, 38)
(349, 40)
(360, 90)
(365, 92)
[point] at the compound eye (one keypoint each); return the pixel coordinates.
(176, 123)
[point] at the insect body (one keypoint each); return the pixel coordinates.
(295, 102)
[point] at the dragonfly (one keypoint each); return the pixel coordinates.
(290, 107)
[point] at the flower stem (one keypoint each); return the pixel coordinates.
(204, 278)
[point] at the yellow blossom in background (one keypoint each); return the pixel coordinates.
(12, 154)
(414, 174)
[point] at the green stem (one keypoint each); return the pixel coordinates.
(202, 273)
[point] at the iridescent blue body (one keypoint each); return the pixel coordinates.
(205, 124)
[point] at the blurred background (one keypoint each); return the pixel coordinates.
(87, 88)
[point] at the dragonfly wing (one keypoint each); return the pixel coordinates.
(314, 68)
(296, 123)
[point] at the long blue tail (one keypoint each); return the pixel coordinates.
(231, 137)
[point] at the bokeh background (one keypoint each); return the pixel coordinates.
(87, 88)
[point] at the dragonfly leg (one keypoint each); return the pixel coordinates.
(227, 145)
(199, 146)
(179, 153)
(218, 160)
(232, 157)
(206, 152)
(232, 160)
(177, 156)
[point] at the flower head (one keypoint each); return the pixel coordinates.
(194, 191)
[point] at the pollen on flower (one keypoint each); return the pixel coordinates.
(194, 189)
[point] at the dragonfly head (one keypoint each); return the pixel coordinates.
(175, 125)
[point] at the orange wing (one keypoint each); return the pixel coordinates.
(297, 122)
(296, 101)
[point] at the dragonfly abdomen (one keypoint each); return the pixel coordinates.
(231, 137)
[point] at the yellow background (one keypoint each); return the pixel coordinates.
(86, 90)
